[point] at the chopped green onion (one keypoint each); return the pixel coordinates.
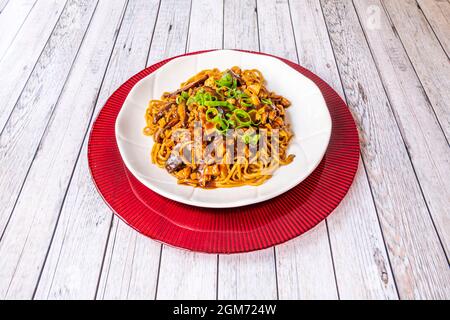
(190, 100)
(215, 115)
(234, 83)
(184, 95)
(242, 117)
(246, 102)
(225, 81)
(266, 101)
(222, 125)
(232, 93)
(250, 138)
(216, 103)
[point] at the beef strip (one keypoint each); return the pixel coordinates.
(161, 112)
(188, 86)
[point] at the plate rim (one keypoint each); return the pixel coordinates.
(237, 203)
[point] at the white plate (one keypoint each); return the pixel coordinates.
(308, 115)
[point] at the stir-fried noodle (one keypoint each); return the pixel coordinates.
(220, 129)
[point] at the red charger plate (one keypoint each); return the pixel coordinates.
(229, 230)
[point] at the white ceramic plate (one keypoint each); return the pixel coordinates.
(308, 115)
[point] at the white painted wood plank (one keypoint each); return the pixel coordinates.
(171, 30)
(247, 275)
(3, 4)
(19, 60)
(241, 25)
(275, 29)
(357, 254)
(429, 60)
(424, 138)
(74, 262)
(29, 232)
(131, 265)
(20, 138)
(419, 265)
(305, 267)
(277, 37)
(206, 25)
(186, 274)
(11, 20)
(437, 13)
(129, 251)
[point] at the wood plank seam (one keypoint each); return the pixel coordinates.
(274, 247)
(414, 68)
(48, 123)
(29, 76)
(436, 105)
(332, 261)
(112, 214)
(402, 135)
(159, 269)
(432, 28)
(363, 162)
(87, 133)
(186, 49)
(411, 291)
(276, 272)
(3, 5)
(147, 59)
(18, 30)
(84, 174)
(96, 295)
(79, 152)
(259, 46)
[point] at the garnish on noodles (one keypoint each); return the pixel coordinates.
(220, 129)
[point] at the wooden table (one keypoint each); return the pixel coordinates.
(59, 62)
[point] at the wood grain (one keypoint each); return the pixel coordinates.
(357, 254)
(131, 265)
(423, 136)
(75, 258)
(277, 37)
(299, 259)
(437, 13)
(3, 4)
(249, 275)
(240, 25)
(425, 52)
(21, 136)
(185, 274)
(128, 251)
(420, 268)
(388, 239)
(29, 232)
(206, 25)
(19, 60)
(11, 20)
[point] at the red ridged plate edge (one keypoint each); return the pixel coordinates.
(230, 230)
